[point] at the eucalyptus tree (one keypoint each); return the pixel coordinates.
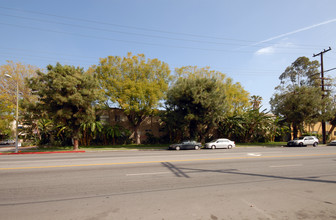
(298, 98)
(135, 84)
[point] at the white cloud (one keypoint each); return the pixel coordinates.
(274, 48)
(266, 50)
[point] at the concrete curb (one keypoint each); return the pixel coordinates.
(46, 152)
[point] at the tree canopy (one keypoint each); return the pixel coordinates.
(67, 95)
(199, 99)
(236, 97)
(302, 72)
(137, 85)
(18, 73)
(298, 98)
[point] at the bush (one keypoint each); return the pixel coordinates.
(151, 139)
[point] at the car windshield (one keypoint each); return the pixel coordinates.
(299, 138)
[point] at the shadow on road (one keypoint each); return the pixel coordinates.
(182, 172)
(175, 170)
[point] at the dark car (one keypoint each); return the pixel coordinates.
(186, 145)
(332, 143)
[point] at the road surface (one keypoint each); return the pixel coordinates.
(241, 183)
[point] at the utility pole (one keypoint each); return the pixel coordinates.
(322, 87)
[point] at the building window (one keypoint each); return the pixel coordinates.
(117, 118)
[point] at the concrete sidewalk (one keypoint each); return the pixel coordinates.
(11, 148)
(5, 150)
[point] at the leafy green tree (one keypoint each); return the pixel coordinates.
(236, 97)
(197, 101)
(137, 85)
(302, 72)
(5, 117)
(298, 98)
(67, 95)
(18, 73)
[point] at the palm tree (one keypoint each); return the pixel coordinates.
(232, 127)
(255, 100)
(114, 132)
(89, 131)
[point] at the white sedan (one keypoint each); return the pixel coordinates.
(220, 143)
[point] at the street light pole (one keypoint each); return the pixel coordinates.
(17, 115)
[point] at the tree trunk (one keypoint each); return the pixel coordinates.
(75, 147)
(193, 130)
(137, 135)
(331, 130)
(105, 139)
(295, 130)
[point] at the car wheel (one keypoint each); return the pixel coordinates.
(177, 148)
(315, 144)
(213, 147)
(229, 147)
(197, 147)
(300, 144)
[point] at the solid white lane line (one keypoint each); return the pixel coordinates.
(143, 174)
(288, 165)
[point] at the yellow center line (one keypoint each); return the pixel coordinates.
(162, 161)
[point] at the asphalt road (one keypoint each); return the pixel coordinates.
(241, 183)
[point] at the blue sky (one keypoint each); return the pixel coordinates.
(250, 41)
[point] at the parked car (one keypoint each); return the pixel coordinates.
(10, 142)
(332, 143)
(220, 143)
(186, 145)
(4, 142)
(304, 141)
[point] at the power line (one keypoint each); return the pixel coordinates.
(131, 41)
(329, 70)
(123, 32)
(123, 26)
(124, 41)
(140, 28)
